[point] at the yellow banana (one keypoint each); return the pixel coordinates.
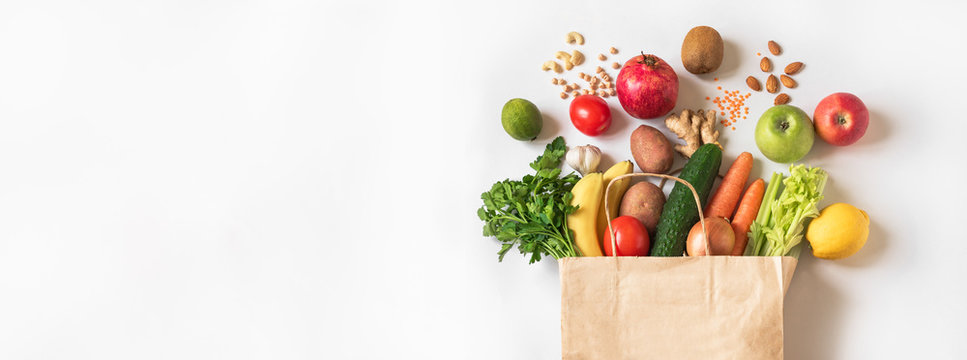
(617, 192)
(587, 195)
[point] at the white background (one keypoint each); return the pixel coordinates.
(299, 180)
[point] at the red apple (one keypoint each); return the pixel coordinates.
(841, 119)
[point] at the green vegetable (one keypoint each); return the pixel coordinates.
(531, 213)
(680, 212)
(778, 229)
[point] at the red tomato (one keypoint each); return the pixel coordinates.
(631, 237)
(590, 114)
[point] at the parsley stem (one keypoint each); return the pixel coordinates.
(510, 217)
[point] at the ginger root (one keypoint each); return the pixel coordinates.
(696, 128)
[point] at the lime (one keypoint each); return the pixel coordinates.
(521, 119)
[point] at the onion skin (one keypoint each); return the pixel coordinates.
(719, 230)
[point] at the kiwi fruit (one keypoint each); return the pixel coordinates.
(702, 50)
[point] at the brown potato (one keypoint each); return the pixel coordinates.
(651, 149)
(643, 201)
(702, 50)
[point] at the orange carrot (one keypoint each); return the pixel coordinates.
(723, 202)
(745, 215)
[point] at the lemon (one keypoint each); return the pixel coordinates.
(521, 119)
(839, 231)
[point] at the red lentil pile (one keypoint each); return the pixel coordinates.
(731, 106)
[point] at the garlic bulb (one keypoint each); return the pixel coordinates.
(584, 159)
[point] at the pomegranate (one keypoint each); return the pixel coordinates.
(647, 87)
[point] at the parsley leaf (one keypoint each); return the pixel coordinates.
(530, 213)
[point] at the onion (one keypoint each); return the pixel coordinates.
(719, 230)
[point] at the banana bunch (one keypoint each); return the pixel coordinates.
(589, 221)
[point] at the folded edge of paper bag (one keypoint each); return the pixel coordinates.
(788, 268)
(679, 307)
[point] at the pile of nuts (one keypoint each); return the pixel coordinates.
(772, 83)
(600, 83)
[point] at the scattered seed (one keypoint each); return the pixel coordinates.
(552, 65)
(793, 68)
(599, 70)
(577, 58)
(753, 83)
(554, 81)
(774, 48)
(731, 106)
(782, 99)
(611, 92)
(613, 51)
(602, 57)
(787, 81)
(765, 65)
(563, 95)
(772, 84)
(615, 66)
(574, 37)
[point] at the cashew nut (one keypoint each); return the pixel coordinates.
(565, 58)
(552, 65)
(573, 37)
(577, 58)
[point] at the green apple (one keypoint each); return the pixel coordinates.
(784, 133)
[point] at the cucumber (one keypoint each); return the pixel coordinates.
(680, 212)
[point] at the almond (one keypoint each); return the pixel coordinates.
(772, 84)
(753, 83)
(782, 99)
(774, 48)
(787, 81)
(793, 68)
(765, 65)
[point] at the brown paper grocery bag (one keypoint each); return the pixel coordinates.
(708, 307)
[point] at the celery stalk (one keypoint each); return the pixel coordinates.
(779, 226)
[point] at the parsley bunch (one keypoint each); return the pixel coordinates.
(531, 213)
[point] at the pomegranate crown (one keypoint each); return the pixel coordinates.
(649, 60)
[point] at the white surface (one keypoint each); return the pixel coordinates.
(284, 180)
